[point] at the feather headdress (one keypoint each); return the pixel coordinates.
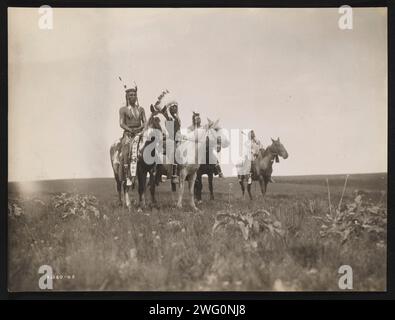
(165, 100)
(126, 88)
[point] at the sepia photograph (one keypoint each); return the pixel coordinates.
(197, 149)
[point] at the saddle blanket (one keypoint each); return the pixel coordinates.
(134, 142)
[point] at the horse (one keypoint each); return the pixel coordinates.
(192, 153)
(152, 167)
(120, 178)
(262, 166)
(209, 169)
(115, 156)
(189, 157)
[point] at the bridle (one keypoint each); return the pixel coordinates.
(144, 139)
(274, 153)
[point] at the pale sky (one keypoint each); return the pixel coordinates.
(288, 73)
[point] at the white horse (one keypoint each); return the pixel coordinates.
(191, 153)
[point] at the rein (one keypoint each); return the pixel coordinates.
(274, 153)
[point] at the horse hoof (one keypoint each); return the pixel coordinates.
(199, 202)
(179, 206)
(195, 209)
(139, 210)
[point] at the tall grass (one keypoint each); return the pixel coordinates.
(172, 249)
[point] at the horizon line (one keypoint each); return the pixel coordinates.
(228, 176)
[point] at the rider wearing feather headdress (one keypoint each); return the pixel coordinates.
(166, 102)
(132, 120)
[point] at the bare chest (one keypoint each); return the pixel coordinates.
(132, 116)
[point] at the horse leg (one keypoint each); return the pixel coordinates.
(127, 198)
(241, 182)
(191, 182)
(118, 179)
(142, 177)
(266, 182)
(122, 195)
(181, 187)
(198, 187)
(152, 189)
(263, 184)
(119, 190)
(249, 190)
(169, 172)
(173, 191)
(210, 185)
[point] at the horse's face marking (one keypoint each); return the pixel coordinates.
(155, 123)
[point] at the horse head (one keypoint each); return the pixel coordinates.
(278, 149)
(152, 131)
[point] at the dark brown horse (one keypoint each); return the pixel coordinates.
(151, 168)
(209, 169)
(262, 166)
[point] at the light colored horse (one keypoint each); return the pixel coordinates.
(191, 153)
(122, 188)
(261, 167)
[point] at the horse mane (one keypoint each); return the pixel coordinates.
(263, 152)
(150, 123)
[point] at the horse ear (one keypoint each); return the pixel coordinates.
(152, 108)
(272, 139)
(278, 139)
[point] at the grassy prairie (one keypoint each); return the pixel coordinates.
(300, 246)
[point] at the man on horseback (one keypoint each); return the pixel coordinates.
(196, 124)
(166, 103)
(254, 146)
(132, 120)
(175, 123)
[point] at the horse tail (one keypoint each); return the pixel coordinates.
(114, 158)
